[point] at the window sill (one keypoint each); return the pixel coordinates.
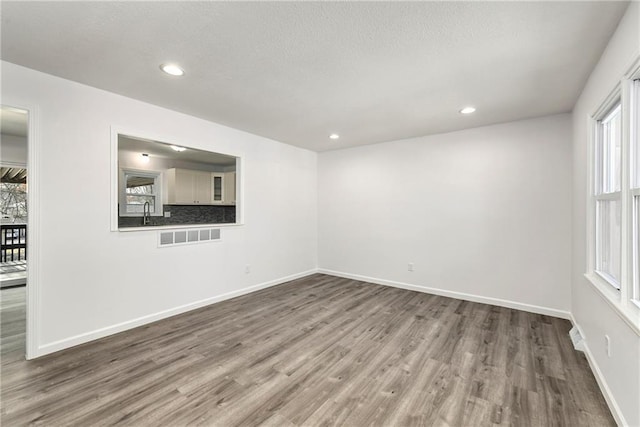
(629, 311)
(178, 226)
(608, 281)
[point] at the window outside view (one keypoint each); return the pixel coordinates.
(138, 195)
(13, 202)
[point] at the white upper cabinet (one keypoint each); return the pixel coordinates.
(192, 187)
(189, 187)
(230, 188)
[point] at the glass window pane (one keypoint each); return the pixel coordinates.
(636, 249)
(609, 152)
(635, 144)
(135, 203)
(141, 189)
(608, 239)
(13, 202)
(217, 188)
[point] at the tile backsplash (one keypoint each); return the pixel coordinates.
(186, 214)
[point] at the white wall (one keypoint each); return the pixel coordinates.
(620, 373)
(94, 281)
(481, 213)
(13, 149)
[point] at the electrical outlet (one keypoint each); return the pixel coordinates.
(410, 266)
(607, 343)
(167, 214)
(247, 269)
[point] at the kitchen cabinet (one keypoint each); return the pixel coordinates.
(230, 188)
(217, 180)
(189, 187)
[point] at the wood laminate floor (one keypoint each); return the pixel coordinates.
(12, 323)
(316, 351)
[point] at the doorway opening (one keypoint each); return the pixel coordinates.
(14, 128)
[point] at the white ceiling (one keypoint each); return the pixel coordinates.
(298, 71)
(164, 150)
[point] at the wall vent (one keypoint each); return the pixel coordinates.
(576, 339)
(186, 237)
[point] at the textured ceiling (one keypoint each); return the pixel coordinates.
(298, 71)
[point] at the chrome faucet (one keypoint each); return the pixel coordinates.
(146, 214)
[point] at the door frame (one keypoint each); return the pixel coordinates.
(33, 309)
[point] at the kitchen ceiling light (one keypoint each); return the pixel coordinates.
(172, 69)
(467, 110)
(178, 148)
(334, 136)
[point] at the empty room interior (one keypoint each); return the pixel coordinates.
(320, 213)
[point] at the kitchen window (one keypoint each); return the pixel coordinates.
(138, 188)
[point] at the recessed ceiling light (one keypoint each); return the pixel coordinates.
(467, 110)
(172, 69)
(334, 136)
(177, 148)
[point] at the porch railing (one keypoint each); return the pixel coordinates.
(13, 239)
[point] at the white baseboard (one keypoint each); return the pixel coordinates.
(452, 294)
(602, 383)
(134, 323)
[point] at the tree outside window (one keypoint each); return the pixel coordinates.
(13, 202)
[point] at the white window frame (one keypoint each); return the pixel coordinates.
(157, 185)
(625, 299)
(634, 190)
(598, 192)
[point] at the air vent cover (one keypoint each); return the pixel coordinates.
(187, 237)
